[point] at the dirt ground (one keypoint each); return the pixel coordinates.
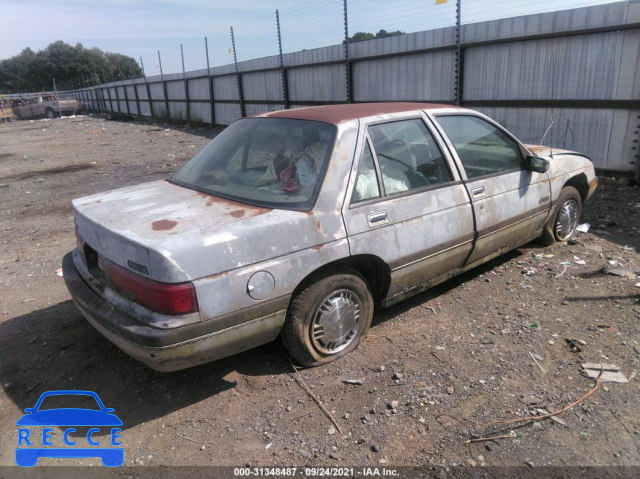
(433, 372)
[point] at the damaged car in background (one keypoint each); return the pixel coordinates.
(297, 223)
(44, 105)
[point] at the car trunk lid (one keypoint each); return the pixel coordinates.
(140, 227)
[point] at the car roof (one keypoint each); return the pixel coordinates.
(345, 112)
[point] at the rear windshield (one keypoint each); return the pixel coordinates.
(270, 162)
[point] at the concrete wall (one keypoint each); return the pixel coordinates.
(576, 68)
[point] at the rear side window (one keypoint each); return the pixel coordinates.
(482, 148)
(408, 156)
(367, 184)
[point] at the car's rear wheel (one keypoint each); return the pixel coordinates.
(328, 317)
(562, 226)
(50, 113)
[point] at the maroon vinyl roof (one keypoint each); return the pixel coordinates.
(338, 113)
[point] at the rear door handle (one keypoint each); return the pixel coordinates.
(376, 219)
(478, 191)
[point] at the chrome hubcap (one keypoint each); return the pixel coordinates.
(336, 322)
(567, 221)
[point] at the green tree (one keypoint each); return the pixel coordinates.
(362, 36)
(29, 71)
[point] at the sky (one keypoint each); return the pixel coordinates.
(141, 28)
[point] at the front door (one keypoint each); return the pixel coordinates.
(510, 203)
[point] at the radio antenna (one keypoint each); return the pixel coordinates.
(545, 135)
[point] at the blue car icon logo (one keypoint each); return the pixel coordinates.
(32, 446)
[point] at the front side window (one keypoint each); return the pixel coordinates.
(271, 162)
(367, 183)
(482, 148)
(408, 156)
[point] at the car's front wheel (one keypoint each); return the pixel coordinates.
(328, 317)
(50, 113)
(562, 226)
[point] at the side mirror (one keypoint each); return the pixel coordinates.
(533, 163)
(28, 410)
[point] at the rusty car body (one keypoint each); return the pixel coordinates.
(44, 105)
(297, 223)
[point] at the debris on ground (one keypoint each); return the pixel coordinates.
(537, 358)
(579, 261)
(610, 372)
(357, 382)
(573, 345)
(621, 272)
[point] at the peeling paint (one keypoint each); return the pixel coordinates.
(218, 238)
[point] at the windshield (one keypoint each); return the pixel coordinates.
(270, 162)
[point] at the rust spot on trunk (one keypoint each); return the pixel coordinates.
(318, 247)
(318, 225)
(163, 225)
(237, 213)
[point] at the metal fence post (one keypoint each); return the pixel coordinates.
(55, 91)
(86, 94)
(347, 63)
(89, 94)
(104, 78)
(238, 77)
(135, 90)
(146, 84)
(79, 92)
(164, 88)
(212, 105)
(459, 60)
(186, 86)
(124, 89)
(99, 95)
(86, 97)
(283, 72)
(113, 80)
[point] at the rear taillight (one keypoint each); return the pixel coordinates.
(161, 297)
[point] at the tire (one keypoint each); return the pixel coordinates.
(562, 226)
(328, 317)
(50, 113)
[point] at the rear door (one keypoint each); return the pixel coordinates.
(407, 205)
(510, 203)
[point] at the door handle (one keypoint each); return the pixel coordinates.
(478, 191)
(376, 219)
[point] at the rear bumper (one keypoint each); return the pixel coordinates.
(167, 349)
